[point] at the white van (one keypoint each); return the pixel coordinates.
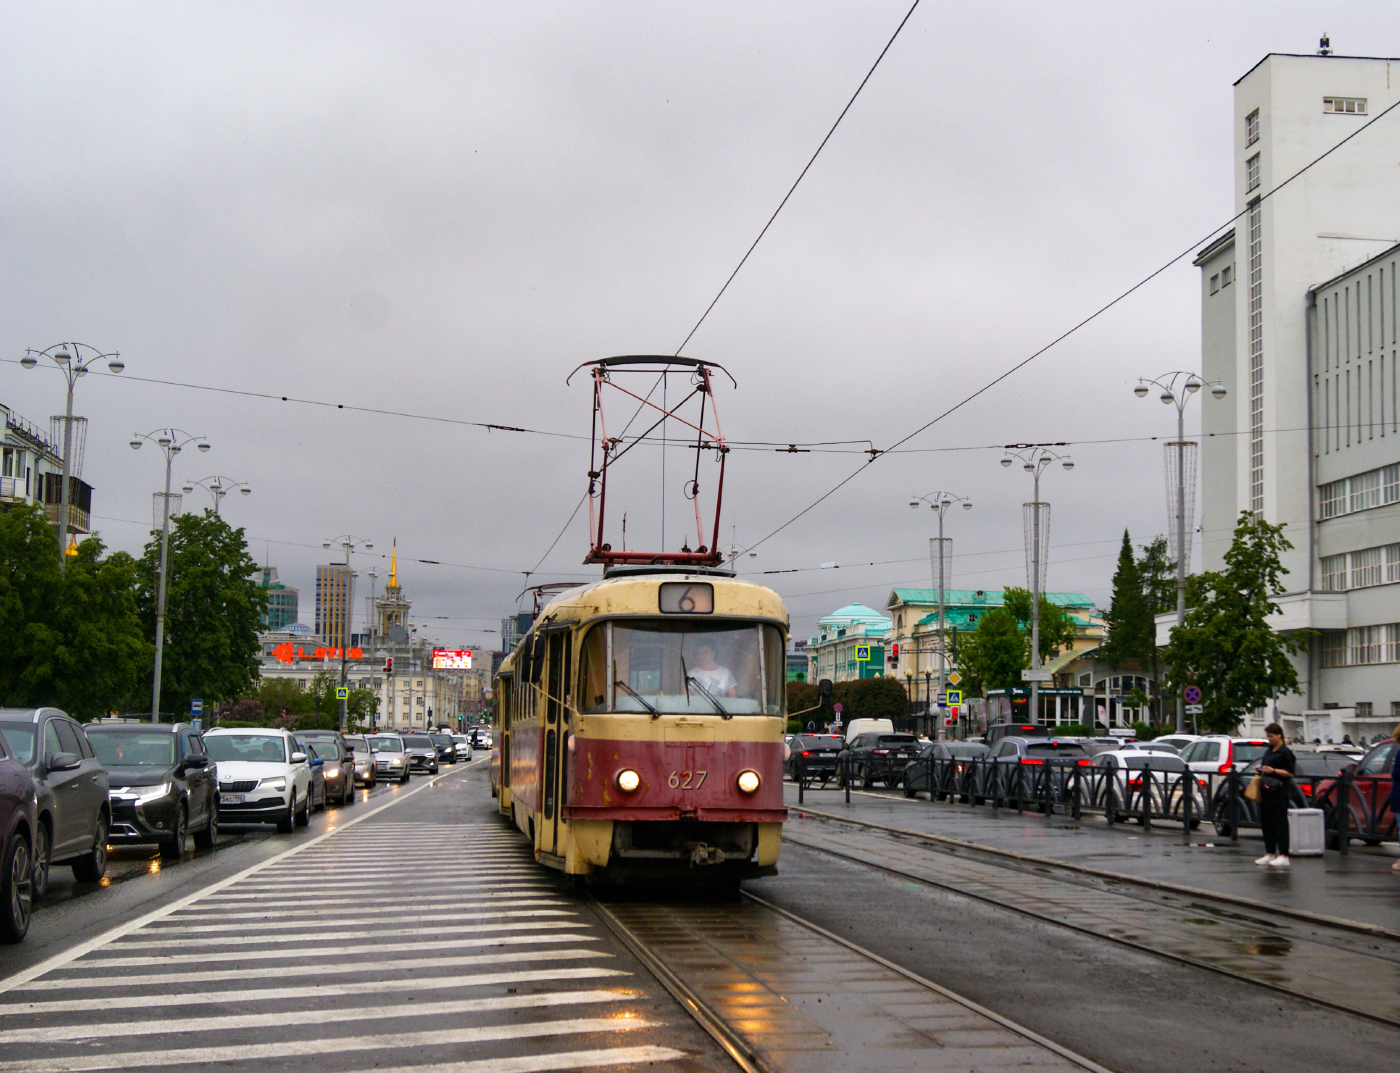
(868, 726)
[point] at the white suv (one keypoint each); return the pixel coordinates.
(264, 777)
(1218, 753)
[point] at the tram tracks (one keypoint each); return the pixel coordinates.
(1346, 966)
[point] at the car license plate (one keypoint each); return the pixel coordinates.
(827, 754)
(232, 799)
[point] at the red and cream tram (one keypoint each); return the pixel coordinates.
(639, 728)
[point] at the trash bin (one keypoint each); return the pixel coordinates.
(1305, 832)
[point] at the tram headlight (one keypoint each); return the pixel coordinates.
(628, 780)
(748, 781)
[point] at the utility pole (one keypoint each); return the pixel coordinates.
(940, 502)
(348, 542)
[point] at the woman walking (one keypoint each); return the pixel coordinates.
(1276, 771)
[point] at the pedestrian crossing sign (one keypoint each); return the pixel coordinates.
(862, 652)
(342, 692)
(954, 696)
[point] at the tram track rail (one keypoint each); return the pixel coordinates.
(1337, 940)
(750, 1057)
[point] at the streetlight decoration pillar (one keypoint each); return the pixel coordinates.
(171, 442)
(74, 360)
(1181, 483)
(348, 543)
(940, 552)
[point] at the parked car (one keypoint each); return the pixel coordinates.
(337, 769)
(1368, 799)
(816, 754)
(877, 756)
(264, 777)
(163, 784)
(19, 819)
(943, 768)
(363, 760)
(997, 731)
(1126, 771)
(73, 815)
(446, 748)
(462, 746)
(422, 753)
(1218, 753)
(856, 727)
(390, 756)
(1018, 767)
(1177, 741)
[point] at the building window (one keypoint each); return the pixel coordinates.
(1256, 357)
(1392, 562)
(1365, 491)
(1334, 648)
(1344, 105)
(1215, 283)
(1364, 709)
(1365, 644)
(1334, 499)
(1334, 573)
(1251, 128)
(1366, 568)
(1373, 488)
(1251, 173)
(1390, 484)
(1227, 276)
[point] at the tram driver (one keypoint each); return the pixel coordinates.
(710, 675)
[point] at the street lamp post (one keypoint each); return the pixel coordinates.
(349, 542)
(218, 487)
(73, 366)
(1034, 460)
(940, 502)
(1170, 395)
(171, 441)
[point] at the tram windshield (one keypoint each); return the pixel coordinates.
(683, 668)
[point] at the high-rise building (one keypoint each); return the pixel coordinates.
(1299, 322)
(282, 608)
(335, 593)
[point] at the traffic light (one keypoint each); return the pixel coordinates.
(389, 667)
(894, 655)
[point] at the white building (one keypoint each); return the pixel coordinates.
(1299, 322)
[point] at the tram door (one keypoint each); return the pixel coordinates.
(555, 740)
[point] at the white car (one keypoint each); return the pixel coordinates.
(264, 777)
(1170, 776)
(1218, 753)
(462, 745)
(1177, 741)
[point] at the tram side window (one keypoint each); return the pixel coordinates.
(593, 671)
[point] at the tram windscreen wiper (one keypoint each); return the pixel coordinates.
(709, 697)
(655, 713)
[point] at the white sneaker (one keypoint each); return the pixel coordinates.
(1279, 862)
(1268, 858)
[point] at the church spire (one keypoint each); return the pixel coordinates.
(394, 564)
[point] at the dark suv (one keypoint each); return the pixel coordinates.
(164, 786)
(422, 753)
(73, 815)
(1021, 769)
(446, 748)
(878, 755)
(18, 821)
(815, 755)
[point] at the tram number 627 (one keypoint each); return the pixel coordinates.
(683, 780)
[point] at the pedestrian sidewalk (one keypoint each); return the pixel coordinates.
(1359, 886)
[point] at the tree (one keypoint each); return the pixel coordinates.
(213, 610)
(1128, 626)
(1224, 644)
(870, 698)
(1158, 577)
(1057, 629)
(995, 653)
(70, 639)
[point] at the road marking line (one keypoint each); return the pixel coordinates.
(338, 919)
(97, 941)
(388, 883)
(187, 1026)
(523, 890)
(310, 992)
(69, 983)
(547, 1063)
(277, 955)
(252, 940)
(315, 1048)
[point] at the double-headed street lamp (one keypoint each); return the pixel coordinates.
(69, 357)
(1171, 394)
(218, 487)
(171, 441)
(348, 543)
(940, 502)
(1034, 461)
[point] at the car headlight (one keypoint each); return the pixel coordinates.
(152, 793)
(332, 772)
(628, 780)
(279, 783)
(748, 781)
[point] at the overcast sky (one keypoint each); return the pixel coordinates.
(441, 209)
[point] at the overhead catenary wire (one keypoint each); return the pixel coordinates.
(1209, 236)
(754, 245)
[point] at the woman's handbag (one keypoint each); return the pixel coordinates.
(1255, 790)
